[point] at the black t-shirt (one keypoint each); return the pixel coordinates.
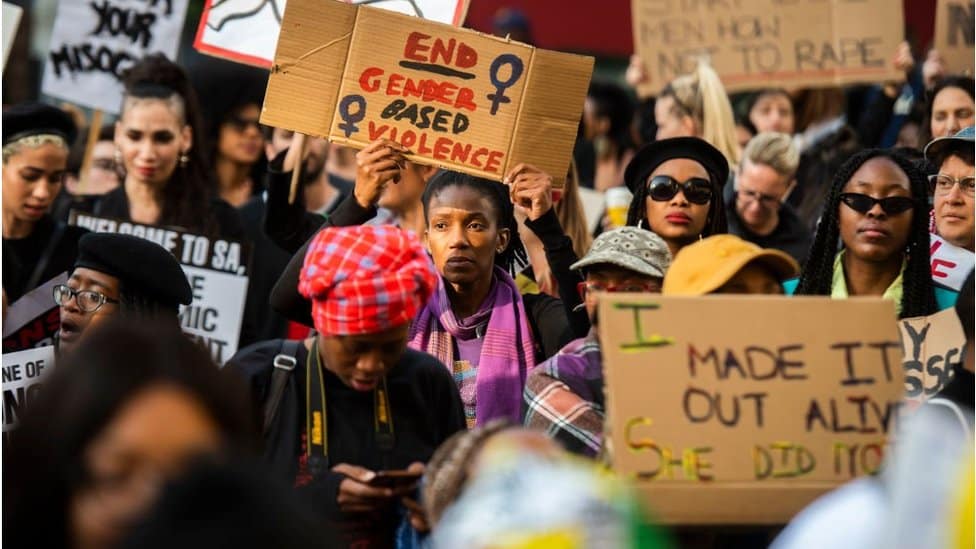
(116, 205)
(261, 322)
(21, 256)
(425, 408)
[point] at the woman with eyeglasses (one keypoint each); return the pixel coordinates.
(953, 187)
(36, 247)
(677, 185)
(160, 142)
(877, 207)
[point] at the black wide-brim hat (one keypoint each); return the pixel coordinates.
(137, 263)
(653, 155)
(27, 119)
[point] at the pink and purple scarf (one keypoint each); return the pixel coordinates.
(507, 352)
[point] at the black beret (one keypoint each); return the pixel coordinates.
(137, 263)
(26, 119)
(653, 155)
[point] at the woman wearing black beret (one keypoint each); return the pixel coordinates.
(36, 248)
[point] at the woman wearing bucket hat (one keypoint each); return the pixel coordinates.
(726, 264)
(677, 185)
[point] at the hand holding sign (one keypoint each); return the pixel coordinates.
(376, 165)
(531, 189)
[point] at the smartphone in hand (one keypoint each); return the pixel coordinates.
(395, 478)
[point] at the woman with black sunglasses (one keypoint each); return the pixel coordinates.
(877, 207)
(677, 185)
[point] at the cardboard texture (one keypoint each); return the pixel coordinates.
(456, 98)
(931, 345)
(246, 31)
(954, 24)
(768, 43)
(11, 20)
(93, 43)
(216, 270)
(795, 400)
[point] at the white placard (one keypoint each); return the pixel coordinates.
(94, 42)
(246, 31)
(11, 20)
(34, 319)
(217, 272)
(23, 373)
(950, 264)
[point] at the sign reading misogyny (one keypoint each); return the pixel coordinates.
(454, 97)
(94, 42)
(763, 43)
(217, 273)
(738, 409)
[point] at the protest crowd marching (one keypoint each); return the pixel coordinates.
(354, 275)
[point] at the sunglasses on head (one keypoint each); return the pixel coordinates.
(240, 124)
(862, 203)
(696, 190)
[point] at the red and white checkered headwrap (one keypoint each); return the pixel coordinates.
(365, 279)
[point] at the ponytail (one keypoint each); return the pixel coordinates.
(718, 124)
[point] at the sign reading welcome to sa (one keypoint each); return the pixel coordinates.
(454, 97)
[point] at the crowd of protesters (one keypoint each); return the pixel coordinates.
(420, 362)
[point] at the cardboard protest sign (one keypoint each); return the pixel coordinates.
(954, 24)
(950, 264)
(94, 42)
(34, 319)
(768, 43)
(11, 20)
(246, 31)
(216, 269)
(23, 373)
(743, 409)
(454, 97)
(931, 345)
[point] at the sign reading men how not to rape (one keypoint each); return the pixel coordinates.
(454, 97)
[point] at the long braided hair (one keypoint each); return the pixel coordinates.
(715, 223)
(513, 258)
(918, 298)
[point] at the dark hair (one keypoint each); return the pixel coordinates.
(229, 505)
(818, 164)
(225, 89)
(613, 102)
(514, 257)
(186, 197)
(754, 98)
(964, 83)
(715, 222)
(918, 297)
(110, 366)
(961, 151)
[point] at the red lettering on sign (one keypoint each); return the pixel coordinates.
(460, 153)
(442, 148)
(466, 56)
(376, 132)
(393, 85)
(369, 80)
(937, 263)
(465, 99)
(414, 48)
(494, 160)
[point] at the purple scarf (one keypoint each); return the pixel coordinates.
(503, 365)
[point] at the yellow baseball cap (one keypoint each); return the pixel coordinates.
(708, 264)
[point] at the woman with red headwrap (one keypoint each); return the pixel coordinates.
(357, 401)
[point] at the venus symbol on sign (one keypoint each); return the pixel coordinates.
(516, 67)
(350, 119)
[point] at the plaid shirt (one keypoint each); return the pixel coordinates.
(564, 396)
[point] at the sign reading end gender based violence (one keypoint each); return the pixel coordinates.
(216, 270)
(95, 41)
(762, 43)
(454, 97)
(737, 409)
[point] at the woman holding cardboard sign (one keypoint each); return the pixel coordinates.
(878, 208)
(166, 180)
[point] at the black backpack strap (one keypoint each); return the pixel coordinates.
(46, 255)
(284, 363)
